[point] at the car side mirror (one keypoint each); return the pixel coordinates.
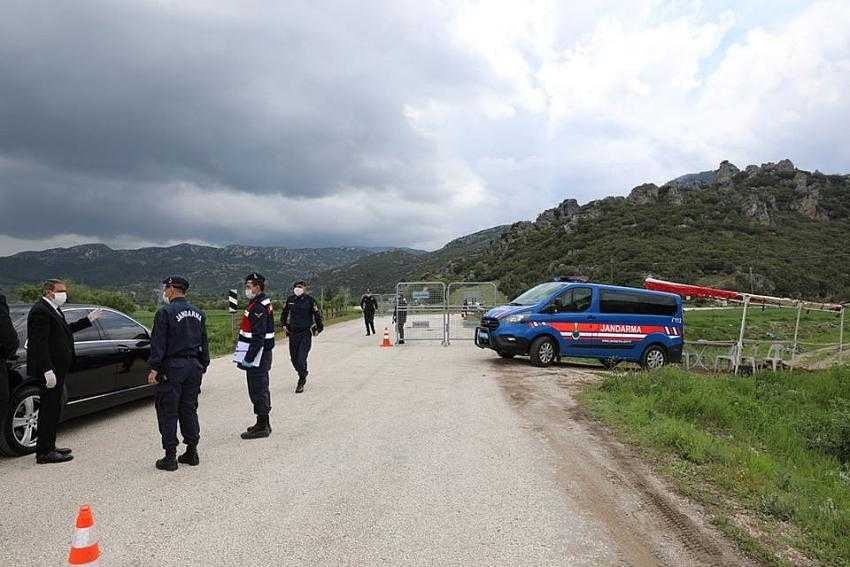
(549, 309)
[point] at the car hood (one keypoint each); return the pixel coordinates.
(506, 310)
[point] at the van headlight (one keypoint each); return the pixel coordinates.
(516, 319)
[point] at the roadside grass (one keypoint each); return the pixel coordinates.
(773, 445)
(219, 327)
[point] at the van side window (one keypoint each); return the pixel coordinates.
(628, 303)
(573, 300)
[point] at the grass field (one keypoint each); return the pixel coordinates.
(219, 327)
(774, 446)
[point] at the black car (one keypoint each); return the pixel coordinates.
(110, 369)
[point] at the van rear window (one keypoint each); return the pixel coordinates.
(625, 303)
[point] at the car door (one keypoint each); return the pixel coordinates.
(569, 313)
(92, 373)
(130, 347)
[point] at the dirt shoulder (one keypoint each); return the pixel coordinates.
(648, 520)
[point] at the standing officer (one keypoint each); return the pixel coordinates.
(257, 329)
(302, 320)
(369, 305)
(50, 356)
(179, 358)
(8, 347)
(400, 316)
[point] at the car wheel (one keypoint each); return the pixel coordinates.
(609, 363)
(506, 354)
(654, 357)
(20, 424)
(543, 352)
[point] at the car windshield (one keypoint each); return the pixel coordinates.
(537, 294)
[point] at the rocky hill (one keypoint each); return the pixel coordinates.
(210, 270)
(770, 228)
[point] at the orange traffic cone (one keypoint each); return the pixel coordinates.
(386, 342)
(84, 548)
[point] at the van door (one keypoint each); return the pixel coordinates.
(630, 320)
(570, 314)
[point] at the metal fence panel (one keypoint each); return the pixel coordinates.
(467, 303)
(422, 312)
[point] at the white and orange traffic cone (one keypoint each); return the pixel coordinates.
(84, 549)
(386, 342)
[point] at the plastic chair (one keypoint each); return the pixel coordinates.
(774, 356)
(730, 356)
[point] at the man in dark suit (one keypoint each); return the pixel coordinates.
(8, 346)
(50, 355)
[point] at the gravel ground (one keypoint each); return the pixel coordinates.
(415, 455)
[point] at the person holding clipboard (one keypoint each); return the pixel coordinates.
(254, 352)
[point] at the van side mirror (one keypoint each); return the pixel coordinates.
(549, 309)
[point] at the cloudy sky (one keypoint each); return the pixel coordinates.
(391, 122)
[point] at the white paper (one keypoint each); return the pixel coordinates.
(242, 350)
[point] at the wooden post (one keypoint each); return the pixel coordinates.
(841, 336)
(796, 332)
(741, 334)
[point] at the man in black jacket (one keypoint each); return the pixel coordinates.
(302, 320)
(180, 355)
(8, 347)
(369, 305)
(400, 316)
(50, 356)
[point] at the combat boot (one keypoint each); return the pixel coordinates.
(190, 457)
(302, 380)
(257, 426)
(262, 429)
(169, 462)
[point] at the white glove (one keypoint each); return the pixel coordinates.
(95, 314)
(50, 379)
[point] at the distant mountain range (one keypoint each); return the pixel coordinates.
(210, 270)
(769, 229)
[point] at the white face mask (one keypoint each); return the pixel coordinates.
(299, 291)
(60, 298)
(165, 298)
(249, 293)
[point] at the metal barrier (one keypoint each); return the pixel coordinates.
(467, 303)
(386, 303)
(421, 312)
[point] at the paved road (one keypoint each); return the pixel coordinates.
(417, 455)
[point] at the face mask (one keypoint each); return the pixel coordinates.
(165, 298)
(299, 291)
(60, 298)
(249, 293)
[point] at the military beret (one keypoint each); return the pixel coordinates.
(176, 281)
(255, 277)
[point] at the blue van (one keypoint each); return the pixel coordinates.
(586, 320)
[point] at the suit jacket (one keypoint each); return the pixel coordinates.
(8, 336)
(50, 340)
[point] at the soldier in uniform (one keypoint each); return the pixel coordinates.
(400, 316)
(257, 330)
(369, 305)
(179, 358)
(302, 320)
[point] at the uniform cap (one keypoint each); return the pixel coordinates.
(255, 277)
(176, 281)
(301, 283)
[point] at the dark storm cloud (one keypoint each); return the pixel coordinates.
(103, 104)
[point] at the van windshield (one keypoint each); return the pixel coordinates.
(537, 294)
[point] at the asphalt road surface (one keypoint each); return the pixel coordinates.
(415, 455)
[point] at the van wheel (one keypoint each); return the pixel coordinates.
(542, 352)
(654, 357)
(19, 428)
(507, 355)
(609, 363)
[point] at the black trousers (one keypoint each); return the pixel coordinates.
(299, 347)
(177, 400)
(50, 406)
(258, 385)
(400, 328)
(370, 323)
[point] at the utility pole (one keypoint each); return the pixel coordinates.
(752, 280)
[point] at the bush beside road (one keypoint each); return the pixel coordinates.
(768, 454)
